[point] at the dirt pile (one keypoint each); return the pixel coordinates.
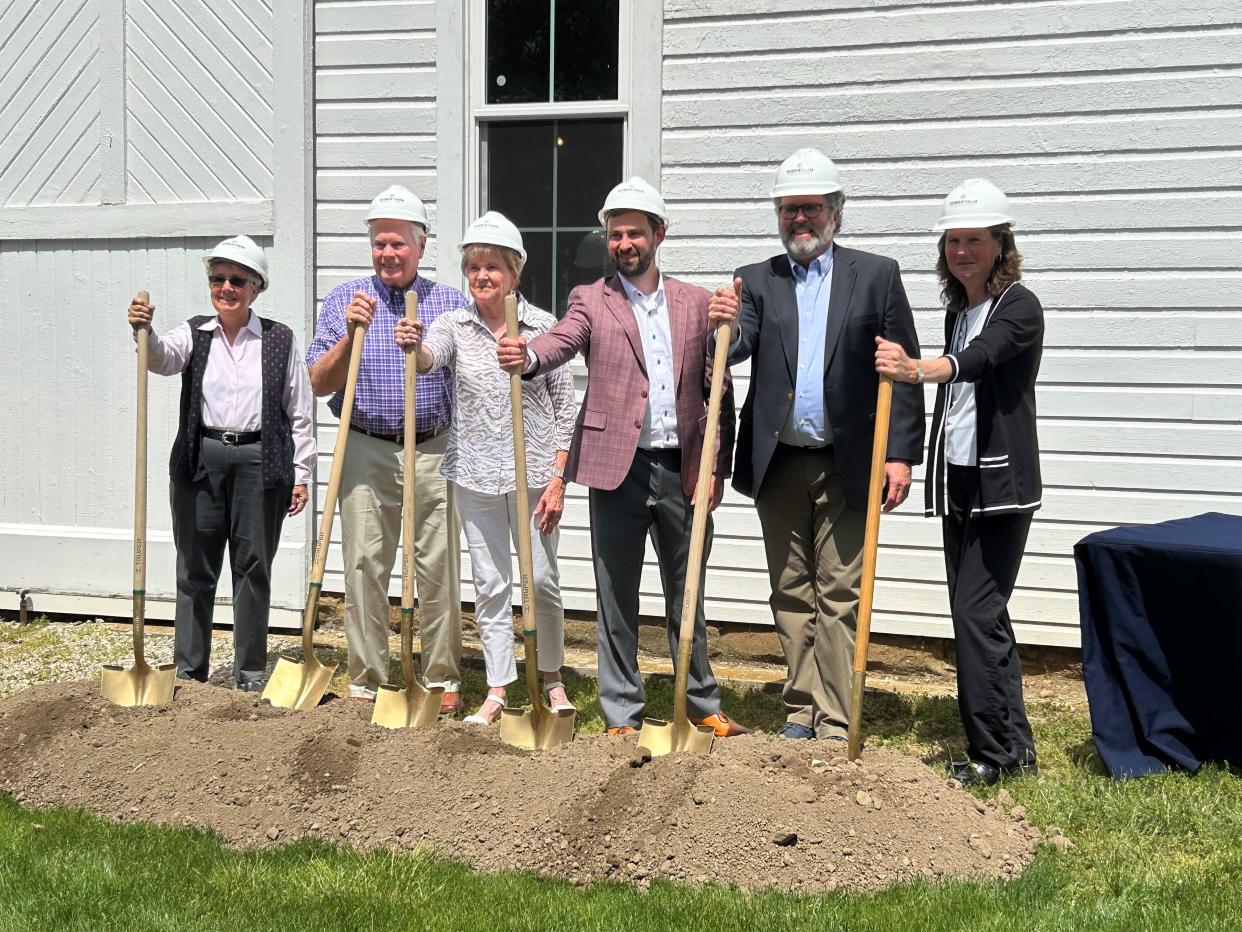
(758, 812)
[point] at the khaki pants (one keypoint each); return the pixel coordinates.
(814, 543)
(370, 531)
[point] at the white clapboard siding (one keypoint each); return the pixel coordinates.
(1116, 127)
(375, 126)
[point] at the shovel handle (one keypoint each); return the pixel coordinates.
(140, 490)
(871, 544)
(525, 561)
(407, 501)
(357, 337)
(698, 528)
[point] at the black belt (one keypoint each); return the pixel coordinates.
(233, 438)
(421, 436)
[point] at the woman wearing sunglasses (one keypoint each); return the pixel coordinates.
(242, 459)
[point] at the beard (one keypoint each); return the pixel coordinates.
(633, 264)
(801, 250)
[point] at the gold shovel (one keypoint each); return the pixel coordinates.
(296, 685)
(680, 734)
(142, 684)
(416, 704)
(871, 543)
(538, 727)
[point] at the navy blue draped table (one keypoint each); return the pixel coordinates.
(1161, 611)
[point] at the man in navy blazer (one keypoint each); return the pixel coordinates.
(807, 320)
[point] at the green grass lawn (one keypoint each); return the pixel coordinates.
(1163, 852)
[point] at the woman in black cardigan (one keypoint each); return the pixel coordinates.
(983, 464)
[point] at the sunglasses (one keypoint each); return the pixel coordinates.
(810, 211)
(237, 281)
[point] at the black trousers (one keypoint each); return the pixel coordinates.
(650, 502)
(982, 556)
(229, 506)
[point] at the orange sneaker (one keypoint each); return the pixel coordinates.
(722, 725)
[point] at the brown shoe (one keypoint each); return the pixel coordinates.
(451, 704)
(622, 730)
(722, 725)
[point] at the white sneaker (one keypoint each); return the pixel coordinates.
(361, 692)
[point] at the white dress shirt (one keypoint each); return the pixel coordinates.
(659, 430)
(233, 384)
(959, 425)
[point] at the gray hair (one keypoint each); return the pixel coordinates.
(417, 232)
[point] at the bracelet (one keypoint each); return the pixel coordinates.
(918, 372)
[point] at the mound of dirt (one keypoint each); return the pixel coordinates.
(758, 812)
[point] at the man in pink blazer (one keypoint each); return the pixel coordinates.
(637, 443)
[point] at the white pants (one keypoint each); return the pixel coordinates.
(491, 525)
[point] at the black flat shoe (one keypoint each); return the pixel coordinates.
(974, 773)
(977, 773)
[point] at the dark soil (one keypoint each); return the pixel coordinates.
(757, 812)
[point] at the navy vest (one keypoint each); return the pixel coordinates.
(186, 464)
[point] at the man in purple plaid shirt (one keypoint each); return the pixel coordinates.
(371, 474)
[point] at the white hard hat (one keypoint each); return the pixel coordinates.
(973, 204)
(634, 194)
(807, 171)
(494, 229)
(398, 203)
(243, 251)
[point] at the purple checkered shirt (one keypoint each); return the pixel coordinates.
(379, 400)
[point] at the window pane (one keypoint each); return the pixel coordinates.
(519, 171)
(536, 283)
(586, 49)
(581, 258)
(517, 51)
(588, 166)
(550, 177)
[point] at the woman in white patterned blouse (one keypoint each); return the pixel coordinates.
(479, 457)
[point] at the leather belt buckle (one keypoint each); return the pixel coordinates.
(229, 437)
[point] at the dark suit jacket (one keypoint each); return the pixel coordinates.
(867, 301)
(600, 324)
(1003, 362)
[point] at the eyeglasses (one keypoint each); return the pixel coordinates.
(237, 281)
(810, 211)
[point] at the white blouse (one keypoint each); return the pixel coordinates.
(959, 425)
(479, 455)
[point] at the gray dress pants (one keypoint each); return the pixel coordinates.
(228, 505)
(650, 501)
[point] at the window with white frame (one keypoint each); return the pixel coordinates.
(551, 88)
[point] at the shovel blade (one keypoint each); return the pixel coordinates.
(525, 728)
(412, 707)
(659, 737)
(141, 685)
(298, 686)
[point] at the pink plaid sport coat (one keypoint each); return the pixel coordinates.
(600, 324)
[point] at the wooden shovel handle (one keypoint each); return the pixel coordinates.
(871, 544)
(407, 500)
(698, 528)
(357, 337)
(140, 491)
(525, 560)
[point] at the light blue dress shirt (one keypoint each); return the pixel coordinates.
(807, 424)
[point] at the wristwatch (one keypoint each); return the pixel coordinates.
(558, 472)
